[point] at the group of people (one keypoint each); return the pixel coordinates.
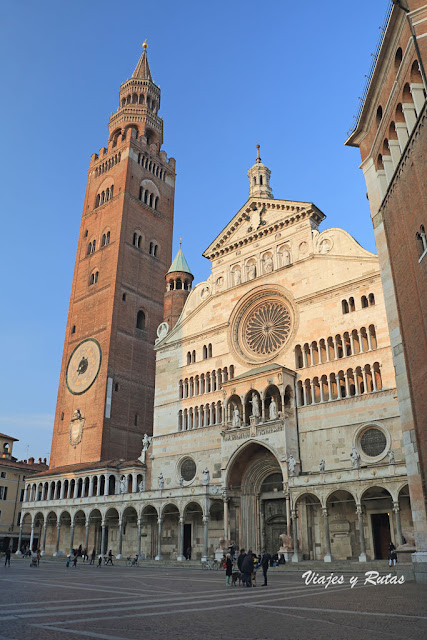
(247, 564)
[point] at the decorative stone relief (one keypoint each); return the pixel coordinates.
(205, 292)
(162, 331)
(220, 282)
(76, 428)
(303, 247)
(325, 245)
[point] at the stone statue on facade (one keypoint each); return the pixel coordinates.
(268, 264)
(206, 476)
(123, 485)
(355, 458)
(237, 277)
(286, 542)
(76, 415)
(141, 486)
(322, 466)
(251, 271)
(273, 412)
(146, 441)
(161, 481)
(181, 482)
(292, 463)
(255, 405)
(236, 416)
(391, 458)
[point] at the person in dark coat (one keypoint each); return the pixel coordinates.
(7, 560)
(240, 559)
(228, 569)
(392, 555)
(248, 568)
(265, 563)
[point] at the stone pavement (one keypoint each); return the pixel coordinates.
(150, 603)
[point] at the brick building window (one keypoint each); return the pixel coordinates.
(137, 240)
(93, 278)
(105, 239)
(153, 249)
(3, 474)
(3, 493)
(140, 320)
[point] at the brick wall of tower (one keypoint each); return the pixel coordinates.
(397, 199)
(99, 311)
(403, 212)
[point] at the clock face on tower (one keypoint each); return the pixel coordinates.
(83, 366)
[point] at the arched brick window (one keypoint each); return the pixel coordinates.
(140, 320)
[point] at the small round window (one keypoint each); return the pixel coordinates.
(188, 469)
(373, 442)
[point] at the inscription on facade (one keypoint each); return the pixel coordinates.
(266, 430)
(240, 435)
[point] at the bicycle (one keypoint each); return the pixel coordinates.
(211, 565)
(132, 562)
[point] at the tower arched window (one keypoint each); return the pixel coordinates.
(189, 357)
(140, 320)
(260, 180)
(93, 278)
(209, 351)
(205, 352)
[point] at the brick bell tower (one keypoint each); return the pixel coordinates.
(106, 387)
(178, 286)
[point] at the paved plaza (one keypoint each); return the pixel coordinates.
(129, 603)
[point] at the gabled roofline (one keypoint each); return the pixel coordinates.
(295, 207)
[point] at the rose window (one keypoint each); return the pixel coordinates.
(267, 327)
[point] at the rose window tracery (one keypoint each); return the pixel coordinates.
(261, 325)
(267, 327)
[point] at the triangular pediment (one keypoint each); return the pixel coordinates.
(258, 217)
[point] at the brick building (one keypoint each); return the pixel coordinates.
(106, 385)
(391, 132)
(13, 473)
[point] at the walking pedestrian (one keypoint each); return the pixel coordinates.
(38, 556)
(75, 560)
(188, 553)
(228, 569)
(110, 557)
(7, 560)
(99, 560)
(265, 563)
(67, 564)
(92, 557)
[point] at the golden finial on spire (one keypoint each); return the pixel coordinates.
(180, 242)
(145, 45)
(258, 159)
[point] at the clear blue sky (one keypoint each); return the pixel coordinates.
(282, 72)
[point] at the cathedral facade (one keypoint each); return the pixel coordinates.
(276, 422)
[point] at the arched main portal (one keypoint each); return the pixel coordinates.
(257, 509)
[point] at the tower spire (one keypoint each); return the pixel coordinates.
(259, 178)
(142, 69)
(139, 105)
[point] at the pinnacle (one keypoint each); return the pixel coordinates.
(142, 69)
